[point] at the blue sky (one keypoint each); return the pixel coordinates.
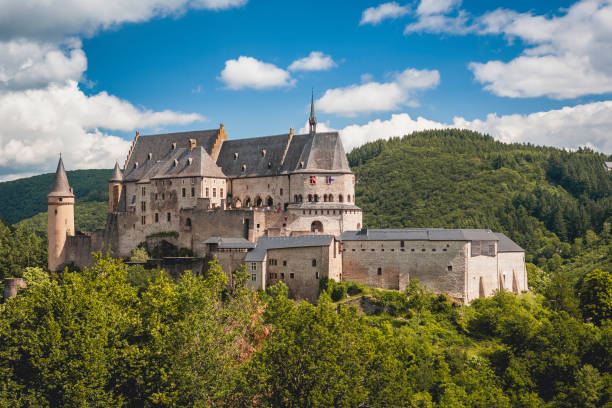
(81, 77)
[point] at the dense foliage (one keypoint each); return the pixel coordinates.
(539, 196)
(20, 249)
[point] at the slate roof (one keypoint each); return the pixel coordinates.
(60, 187)
(252, 157)
(420, 234)
(505, 244)
(608, 165)
(230, 243)
(264, 244)
(117, 173)
(179, 162)
(160, 145)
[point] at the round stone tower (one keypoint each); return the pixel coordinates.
(60, 214)
(115, 189)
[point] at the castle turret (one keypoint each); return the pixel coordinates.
(115, 189)
(60, 210)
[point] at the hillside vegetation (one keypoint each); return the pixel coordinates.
(539, 196)
(24, 198)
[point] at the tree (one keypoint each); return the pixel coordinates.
(596, 296)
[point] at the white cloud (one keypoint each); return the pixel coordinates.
(248, 72)
(49, 20)
(315, 61)
(376, 96)
(569, 127)
(429, 7)
(568, 55)
(29, 64)
(375, 15)
(38, 124)
(438, 23)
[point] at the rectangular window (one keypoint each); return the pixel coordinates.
(155, 196)
(329, 179)
(206, 192)
(253, 266)
(144, 191)
(313, 179)
(282, 275)
(143, 220)
(450, 268)
(214, 192)
(402, 244)
(156, 218)
(169, 217)
(314, 262)
(281, 191)
(192, 181)
(220, 193)
(143, 206)
(379, 271)
(317, 275)
(163, 196)
(253, 277)
(291, 275)
(193, 191)
(184, 192)
(284, 263)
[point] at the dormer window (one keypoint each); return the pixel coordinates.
(189, 161)
(301, 165)
(174, 146)
(135, 165)
(269, 165)
(150, 157)
(263, 152)
(175, 163)
(235, 155)
(244, 167)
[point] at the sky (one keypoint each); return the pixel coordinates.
(80, 77)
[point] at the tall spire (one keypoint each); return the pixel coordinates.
(312, 121)
(60, 183)
(117, 175)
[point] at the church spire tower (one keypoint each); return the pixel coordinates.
(312, 121)
(60, 216)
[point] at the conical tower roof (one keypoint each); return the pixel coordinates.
(60, 187)
(117, 174)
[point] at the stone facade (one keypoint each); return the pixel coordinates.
(282, 205)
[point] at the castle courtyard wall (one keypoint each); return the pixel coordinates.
(512, 271)
(483, 278)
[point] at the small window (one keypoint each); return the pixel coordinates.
(443, 249)
(192, 192)
(144, 191)
(143, 206)
(433, 249)
(143, 220)
(253, 266)
(412, 250)
(281, 191)
(314, 262)
(317, 275)
(284, 263)
(168, 217)
(402, 244)
(163, 196)
(379, 271)
(450, 268)
(353, 249)
(253, 277)
(156, 218)
(257, 225)
(184, 192)
(313, 179)
(214, 192)
(423, 249)
(362, 249)
(221, 193)
(282, 275)
(291, 275)
(155, 196)
(207, 192)
(188, 222)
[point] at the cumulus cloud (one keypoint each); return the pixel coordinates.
(315, 61)
(29, 64)
(47, 20)
(375, 15)
(568, 55)
(569, 127)
(429, 7)
(378, 97)
(248, 72)
(38, 124)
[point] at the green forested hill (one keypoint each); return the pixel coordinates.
(24, 198)
(457, 178)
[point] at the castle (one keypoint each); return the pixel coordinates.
(282, 205)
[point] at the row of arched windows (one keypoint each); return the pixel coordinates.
(257, 202)
(269, 202)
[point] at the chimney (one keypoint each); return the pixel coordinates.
(192, 144)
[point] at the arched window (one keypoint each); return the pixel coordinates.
(316, 226)
(295, 200)
(348, 198)
(237, 203)
(187, 222)
(330, 198)
(309, 198)
(316, 198)
(324, 198)
(258, 202)
(247, 202)
(300, 199)
(269, 201)
(340, 198)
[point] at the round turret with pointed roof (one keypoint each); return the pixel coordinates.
(117, 173)
(60, 187)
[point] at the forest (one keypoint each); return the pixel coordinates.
(120, 335)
